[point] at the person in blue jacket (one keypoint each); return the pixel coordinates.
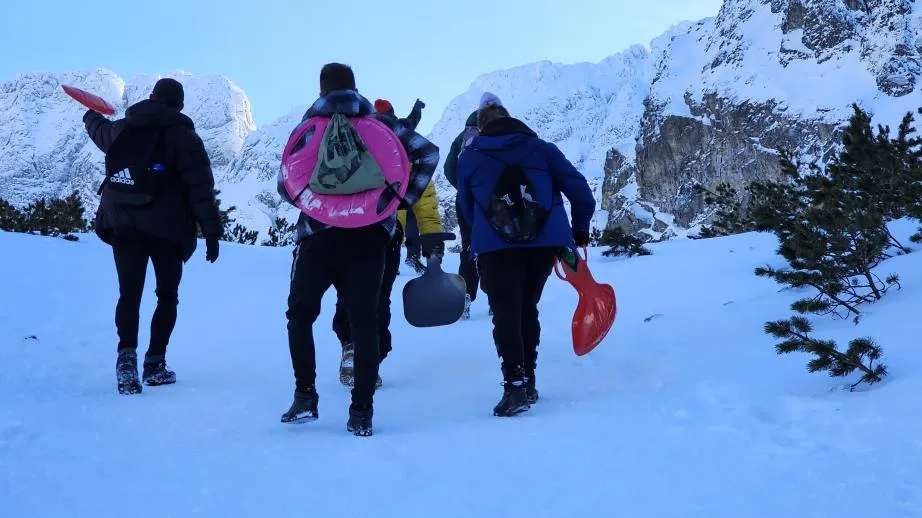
(516, 250)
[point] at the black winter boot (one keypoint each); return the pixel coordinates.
(515, 396)
(126, 372)
(360, 420)
(530, 391)
(303, 408)
(155, 372)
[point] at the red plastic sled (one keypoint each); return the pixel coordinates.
(595, 312)
(93, 102)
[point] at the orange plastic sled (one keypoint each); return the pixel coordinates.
(597, 307)
(93, 102)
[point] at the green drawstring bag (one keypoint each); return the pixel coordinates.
(344, 165)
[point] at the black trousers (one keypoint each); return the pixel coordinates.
(352, 260)
(414, 248)
(341, 323)
(131, 257)
(468, 267)
(513, 281)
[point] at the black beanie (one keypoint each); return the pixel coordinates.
(168, 91)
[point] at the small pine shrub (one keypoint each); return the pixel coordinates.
(621, 244)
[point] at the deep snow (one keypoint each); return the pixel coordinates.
(684, 410)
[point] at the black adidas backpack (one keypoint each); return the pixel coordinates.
(513, 211)
(136, 167)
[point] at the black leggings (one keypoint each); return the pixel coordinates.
(341, 325)
(352, 260)
(131, 257)
(513, 281)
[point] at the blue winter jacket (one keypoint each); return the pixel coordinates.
(511, 141)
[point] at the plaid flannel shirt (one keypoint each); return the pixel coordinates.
(424, 155)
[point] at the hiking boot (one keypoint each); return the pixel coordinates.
(514, 401)
(304, 407)
(155, 373)
(347, 365)
(413, 261)
(360, 420)
(126, 372)
(531, 393)
(467, 308)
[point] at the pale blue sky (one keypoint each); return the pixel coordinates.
(273, 49)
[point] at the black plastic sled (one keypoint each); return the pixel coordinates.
(435, 298)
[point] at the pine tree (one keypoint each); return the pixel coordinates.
(227, 221)
(51, 217)
(729, 217)
(882, 174)
(861, 355)
(620, 243)
(11, 218)
(240, 234)
(68, 216)
(595, 237)
(829, 235)
(39, 218)
(281, 233)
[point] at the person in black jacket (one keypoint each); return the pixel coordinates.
(158, 188)
(352, 260)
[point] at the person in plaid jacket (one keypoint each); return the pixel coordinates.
(352, 260)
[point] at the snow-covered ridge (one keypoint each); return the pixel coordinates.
(44, 149)
(706, 102)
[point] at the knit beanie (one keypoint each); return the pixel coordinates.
(383, 106)
(168, 91)
(489, 99)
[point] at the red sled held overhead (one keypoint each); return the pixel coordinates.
(597, 306)
(93, 102)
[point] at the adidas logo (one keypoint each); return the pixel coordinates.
(122, 177)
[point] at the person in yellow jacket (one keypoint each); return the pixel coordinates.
(427, 215)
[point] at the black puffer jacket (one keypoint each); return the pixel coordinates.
(172, 217)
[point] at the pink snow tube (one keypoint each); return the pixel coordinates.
(351, 210)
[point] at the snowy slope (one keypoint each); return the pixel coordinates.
(684, 410)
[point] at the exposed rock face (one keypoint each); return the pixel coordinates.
(764, 75)
(736, 144)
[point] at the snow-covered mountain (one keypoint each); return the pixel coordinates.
(44, 149)
(706, 102)
(711, 101)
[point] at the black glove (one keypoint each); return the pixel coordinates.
(581, 237)
(211, 248)
(419, 104)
